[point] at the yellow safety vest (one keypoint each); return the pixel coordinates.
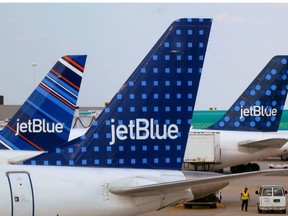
(245, 196)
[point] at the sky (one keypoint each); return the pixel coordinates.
(117, 36)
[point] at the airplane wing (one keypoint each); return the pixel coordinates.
(273, 142)
(172, 187)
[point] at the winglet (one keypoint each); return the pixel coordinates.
(44, 120)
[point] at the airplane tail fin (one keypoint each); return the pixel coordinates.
(146, 124)
(46, 116)
(260, 106)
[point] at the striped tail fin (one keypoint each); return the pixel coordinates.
(46, 116)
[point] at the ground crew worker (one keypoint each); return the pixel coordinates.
(245, 197)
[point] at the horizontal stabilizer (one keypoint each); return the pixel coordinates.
(16, 156)
(273, 142)
(176, 186)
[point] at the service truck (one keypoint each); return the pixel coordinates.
(203, 150)
(271, 198)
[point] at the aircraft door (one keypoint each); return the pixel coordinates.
(21, 194)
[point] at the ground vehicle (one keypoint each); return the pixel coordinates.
(271, 198)
(203, 150)
(212, 201)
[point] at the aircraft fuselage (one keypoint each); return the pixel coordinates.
(71, 191)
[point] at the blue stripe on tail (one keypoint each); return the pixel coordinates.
(44, 120)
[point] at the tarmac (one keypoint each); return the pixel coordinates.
(231, 195)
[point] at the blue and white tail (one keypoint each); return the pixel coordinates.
(146, 124)
(44, 120)
(260, 106)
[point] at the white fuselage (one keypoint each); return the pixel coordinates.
(72, 191)
(233, 154)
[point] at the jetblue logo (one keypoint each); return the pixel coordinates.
(257, 111)
(142, 129)
(38, 126)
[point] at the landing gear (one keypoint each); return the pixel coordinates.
(238, 169)
(245, 168)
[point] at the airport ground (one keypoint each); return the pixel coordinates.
(231, 195)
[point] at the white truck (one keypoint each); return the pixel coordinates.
(203, 150)
(271, 198)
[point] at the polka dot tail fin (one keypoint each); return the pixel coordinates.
(146, 123)
(260, 106)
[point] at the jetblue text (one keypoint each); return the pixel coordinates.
(257, 111)
(142, 129)
(38, 126)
